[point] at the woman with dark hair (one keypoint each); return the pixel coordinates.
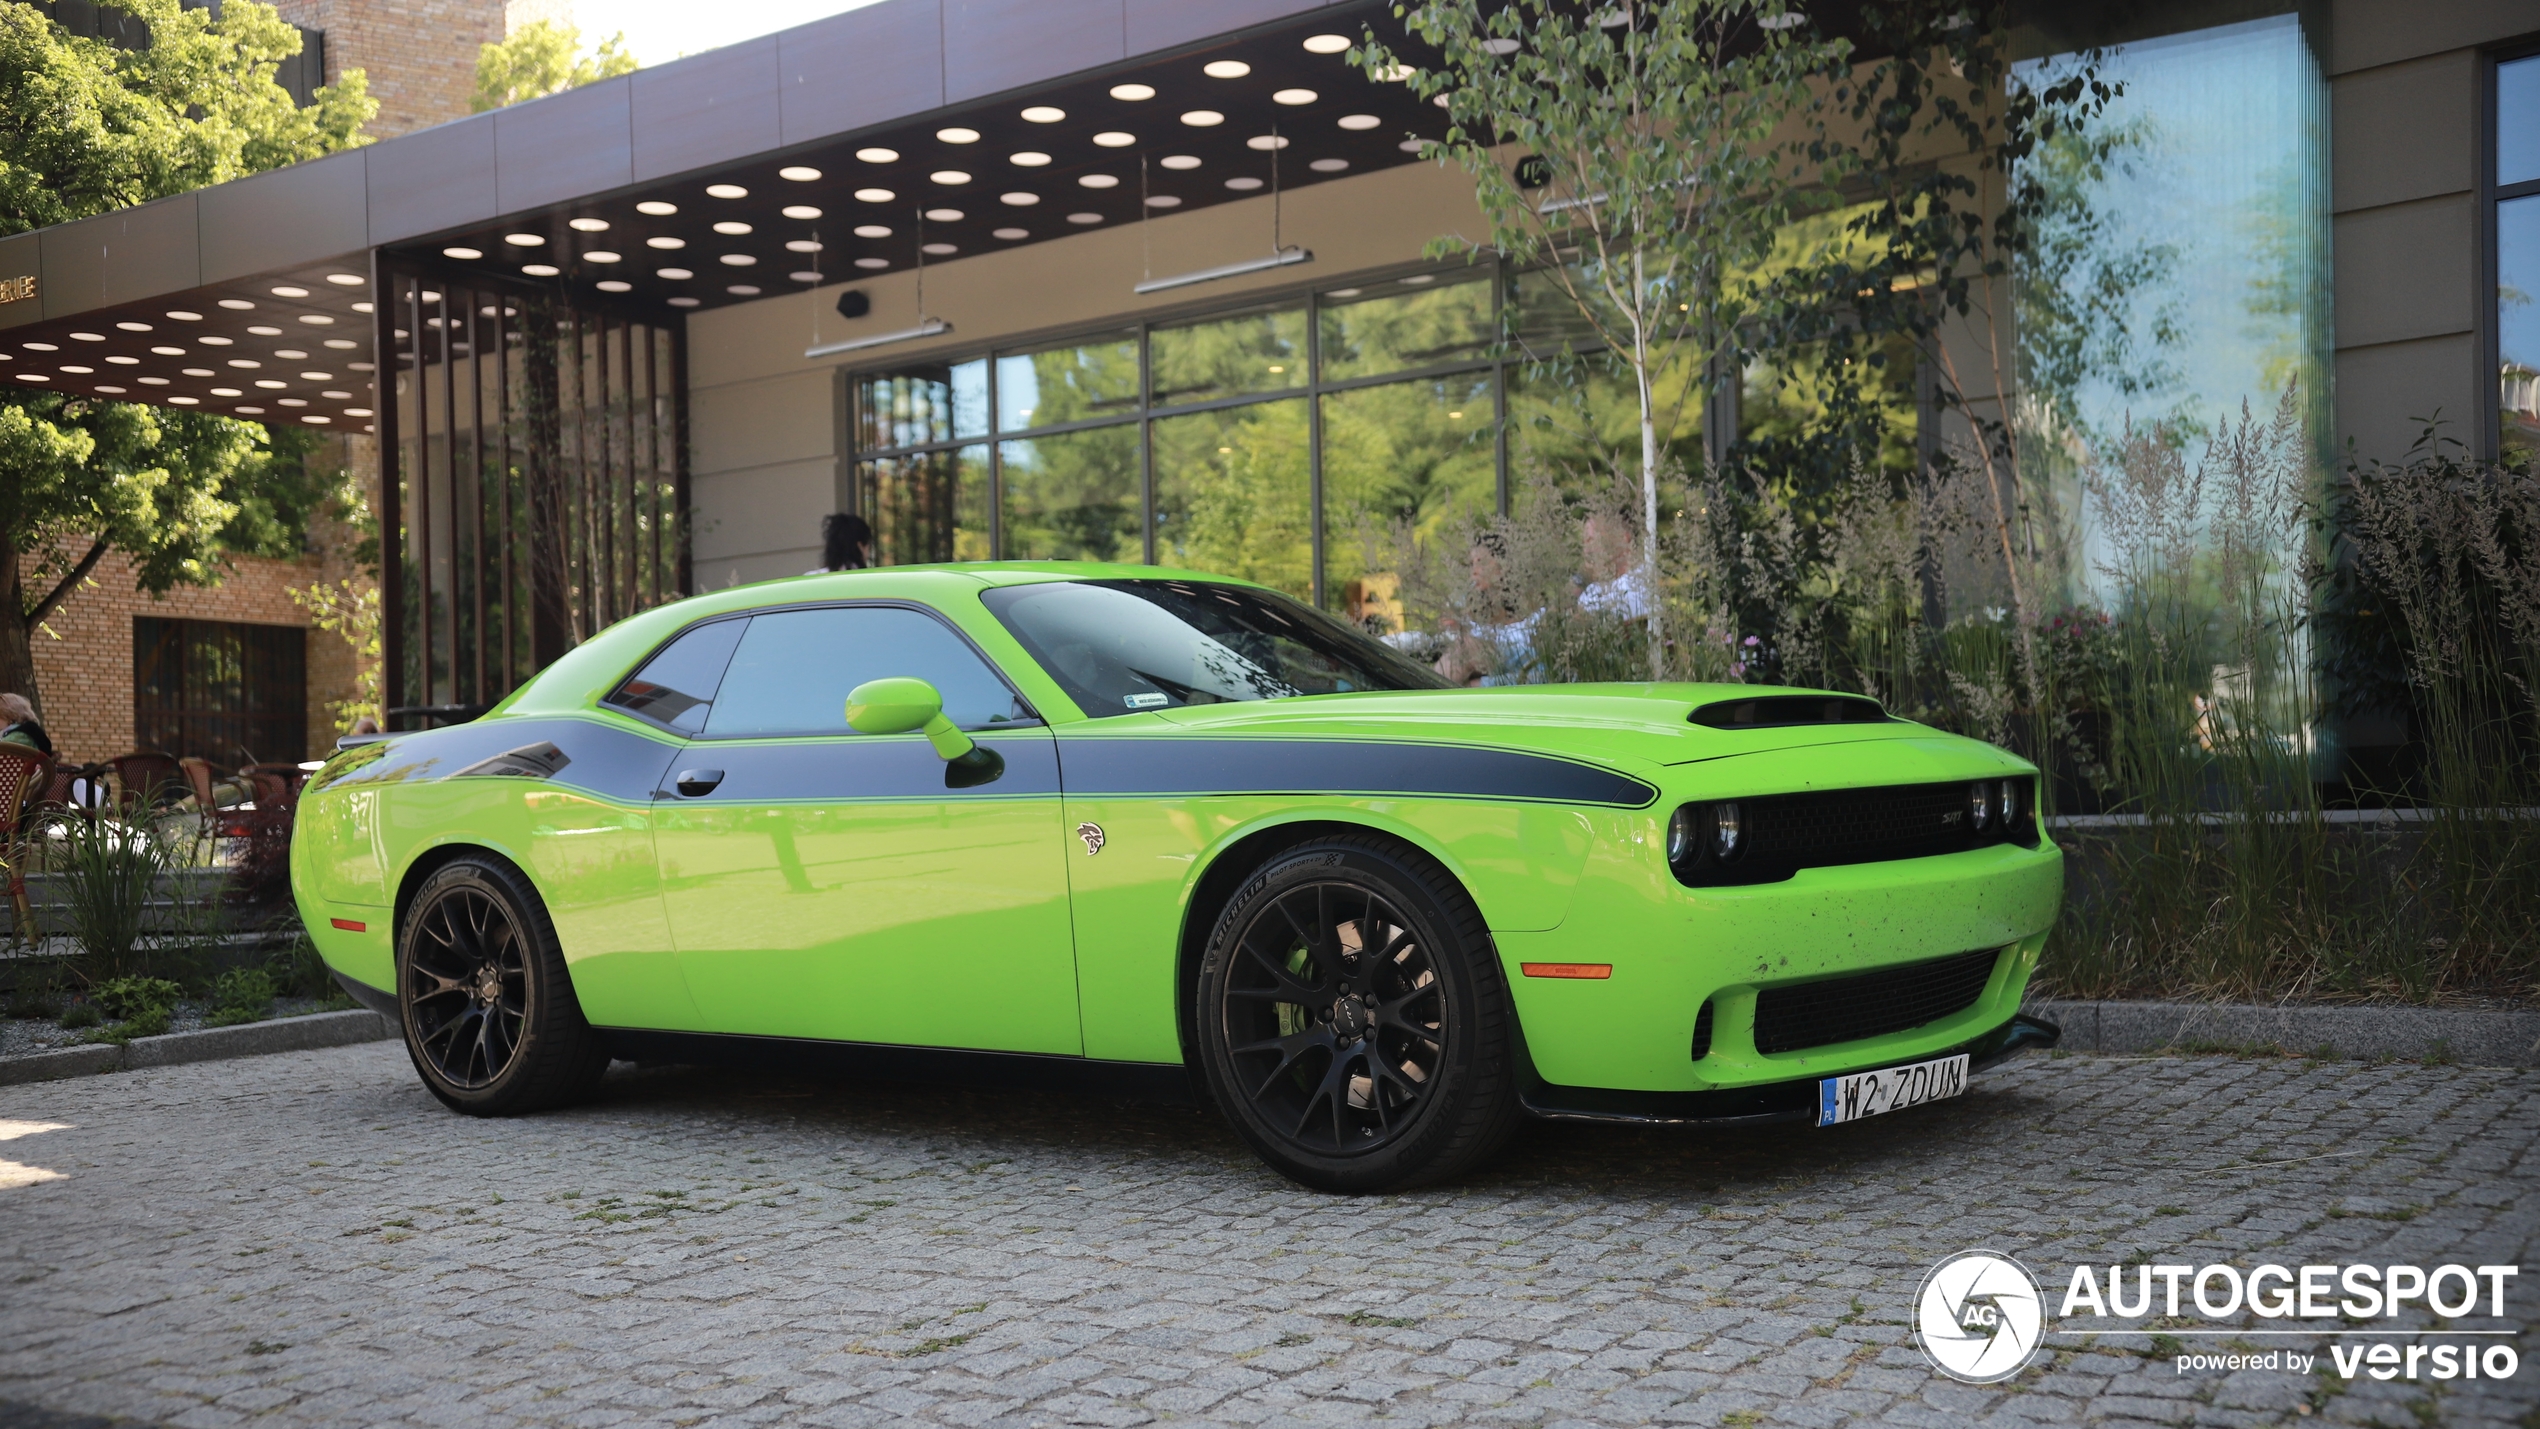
(846, 543)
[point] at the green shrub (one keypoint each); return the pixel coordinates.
(79, 1015)
(148, 1022)
(131, 997)
(110, 874)
(241, 995)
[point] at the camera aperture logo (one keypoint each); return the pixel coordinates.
(1980, 1317)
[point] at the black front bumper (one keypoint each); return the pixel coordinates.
(1758, 1106)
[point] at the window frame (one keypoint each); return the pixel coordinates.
(1500, 356)
(606, 703)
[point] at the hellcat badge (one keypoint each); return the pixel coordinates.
(1092, 835)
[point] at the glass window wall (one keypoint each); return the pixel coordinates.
(2518, 257)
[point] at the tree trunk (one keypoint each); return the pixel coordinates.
(17, 654)
(1648, 478)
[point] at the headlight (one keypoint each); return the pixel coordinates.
(1728, 832)
(1980, 806)
(1683, 835)
(2010, 803)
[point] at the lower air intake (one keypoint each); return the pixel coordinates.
(1798, 1016)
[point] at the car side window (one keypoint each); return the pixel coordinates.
(676, 687)
(794, 668)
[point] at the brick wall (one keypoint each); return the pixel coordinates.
(420, 55)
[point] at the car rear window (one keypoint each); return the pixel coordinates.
(676, 687)
(1119, 647)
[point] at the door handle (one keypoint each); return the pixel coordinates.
(697, 783)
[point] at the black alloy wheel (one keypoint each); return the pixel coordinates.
(1353, 1021)
(490, 1017)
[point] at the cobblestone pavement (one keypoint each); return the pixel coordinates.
(309, 1239)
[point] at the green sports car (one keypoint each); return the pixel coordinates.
(1165, 834)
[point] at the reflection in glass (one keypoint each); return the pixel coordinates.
(1228, 357)
(1576, 420)
(2518, 322)
(916, 405)
(928, 506)
(2518, 121)
(1421, 454)
(1067, 384)
(1406, 323)
(1233, 495)
(1074, 497)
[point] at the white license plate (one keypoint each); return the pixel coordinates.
(1842, 1099)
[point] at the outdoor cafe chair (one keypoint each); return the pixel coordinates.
(21, 777)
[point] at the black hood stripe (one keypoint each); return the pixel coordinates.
(1097, 768)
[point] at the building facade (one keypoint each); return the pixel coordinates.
(922, 261)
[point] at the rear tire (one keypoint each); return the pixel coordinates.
(488, 1010)
(1353, 1020)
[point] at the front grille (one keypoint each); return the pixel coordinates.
(1846, 1009)
(1702, 1031)
(1788, 832)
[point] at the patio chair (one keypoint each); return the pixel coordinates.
(145, 779)
(21, 775)
(277, 786)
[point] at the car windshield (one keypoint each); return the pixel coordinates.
(1119, 647)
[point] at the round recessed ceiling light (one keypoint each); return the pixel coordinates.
(1246, 185)
(1099, 181)
(317, 376)
(524, 240)
(739, 260)
(943, 215)
(799, 173)
(1328, 166)
(207, 339)
(1444, 101)
(801, 210)
(1326, 44)
(259, 330)
(341, 343)
(873, 262)
(270, 384)
(288, 291)
(1225, 69)
(1019, 200)
(1011, 235)
(1114, 139)
(181, 315)
(169, 351)
(346, 280)
(1180, 161)
(804, 276)
(802, 245)
(120, 360)
(941, 250)
(657, 208)
(1203, 118)
(726, 191)
(1360, 121)
(958, 135)
(742, 290)
(48, 347)
(1267, 142)
(665, 242)
(118, 390)
(179, 401)
(317, 418)
(683, 302)
(74, 367)
(1501, 46)
(47, 377)
(357, 411)
(130, 326)
(616, 285)
(1396, 74)
(101, 337)
(540, 270)
(463, 254)
(601, 255)
(950, 178)
(872, 230)
(1410, 146)
(1043, 114)
(197, 371)
(588, 225)
(1084, 218)
(878, 155)
(229, 392)
(1031, 160)
(676, 275)
(1133, 92)
(154, 382)
(1163, 201)
(874, 195)
(1294, 96)
(733, 227)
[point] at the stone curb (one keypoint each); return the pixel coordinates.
(2467, 1037)
(253, 1039)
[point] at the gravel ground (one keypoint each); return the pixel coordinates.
(308, 1239)
(21, 1035)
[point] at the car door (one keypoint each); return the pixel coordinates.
(827, 884)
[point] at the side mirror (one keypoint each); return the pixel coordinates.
(900, 704)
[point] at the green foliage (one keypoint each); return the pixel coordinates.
(110, 874)
(351, 613)
(81, 1015)
(130, 997)
(543, 58)
(241, 995)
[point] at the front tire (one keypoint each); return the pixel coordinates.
(488, 1010)
(1353, 1020)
